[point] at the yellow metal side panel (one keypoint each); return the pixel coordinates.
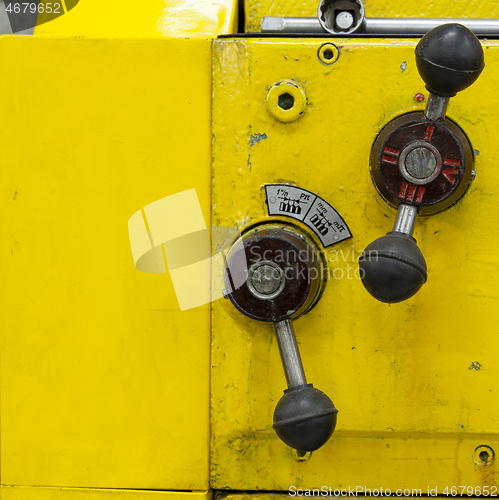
(104, 382)
(411, 411)
(127, 18)
(256, 9)
(23, 493)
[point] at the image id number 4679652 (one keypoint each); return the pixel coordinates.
(478, 491)
(27, 7)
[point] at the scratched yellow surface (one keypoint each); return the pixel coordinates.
(256, 9)
(104, 381)
(412, 409)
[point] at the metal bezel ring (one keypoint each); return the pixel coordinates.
(412, 147)
(251, 286)
(442, 204)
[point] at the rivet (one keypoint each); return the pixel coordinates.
(328, 53)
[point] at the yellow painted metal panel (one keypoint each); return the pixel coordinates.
(104, 382)
(127, 18)
(256, 9)
(411, 411)
(33, 493)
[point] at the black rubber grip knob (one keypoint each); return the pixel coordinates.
(449, 59)
(304, 418)
(392, 268)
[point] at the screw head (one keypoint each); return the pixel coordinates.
(484, 455)
(344, 20)
(286, 101)
(266, 280)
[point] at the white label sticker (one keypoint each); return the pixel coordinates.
(308, 208)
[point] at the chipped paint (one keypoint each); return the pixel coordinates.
(257, 138)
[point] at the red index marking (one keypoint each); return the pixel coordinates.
(410, 194)
(429, 132)
(389, 159)
(454, 163)
(419, 197)
(391, 151)
(448, 172)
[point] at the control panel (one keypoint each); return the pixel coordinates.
(338, 141)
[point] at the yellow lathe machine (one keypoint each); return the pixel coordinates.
(330, 168)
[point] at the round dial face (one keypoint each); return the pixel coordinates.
(280, 270)
(421, 163)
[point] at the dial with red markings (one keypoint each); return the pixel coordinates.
(421, 163)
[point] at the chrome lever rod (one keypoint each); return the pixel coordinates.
(378, 25)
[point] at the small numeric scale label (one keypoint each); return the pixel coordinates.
(316, 213)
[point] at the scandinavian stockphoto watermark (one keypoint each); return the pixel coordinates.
(171, 234)
(341, 264)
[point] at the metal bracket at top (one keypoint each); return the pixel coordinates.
(345, 17)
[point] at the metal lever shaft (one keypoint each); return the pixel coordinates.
(304, 417)
(379, 25)
(436, 107)
(290, 355)
(406, 219)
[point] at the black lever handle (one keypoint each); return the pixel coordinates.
(304, 417)
(392, 267)
(277, 291)
(449, 59)
(427, 161)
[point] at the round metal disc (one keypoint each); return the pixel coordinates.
(281, 271)
(421, 163)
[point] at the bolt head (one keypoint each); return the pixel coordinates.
(266, 278)
(484, 455)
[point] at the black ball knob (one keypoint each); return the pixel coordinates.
(449, 59)
(304, 418)
(392, 268)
